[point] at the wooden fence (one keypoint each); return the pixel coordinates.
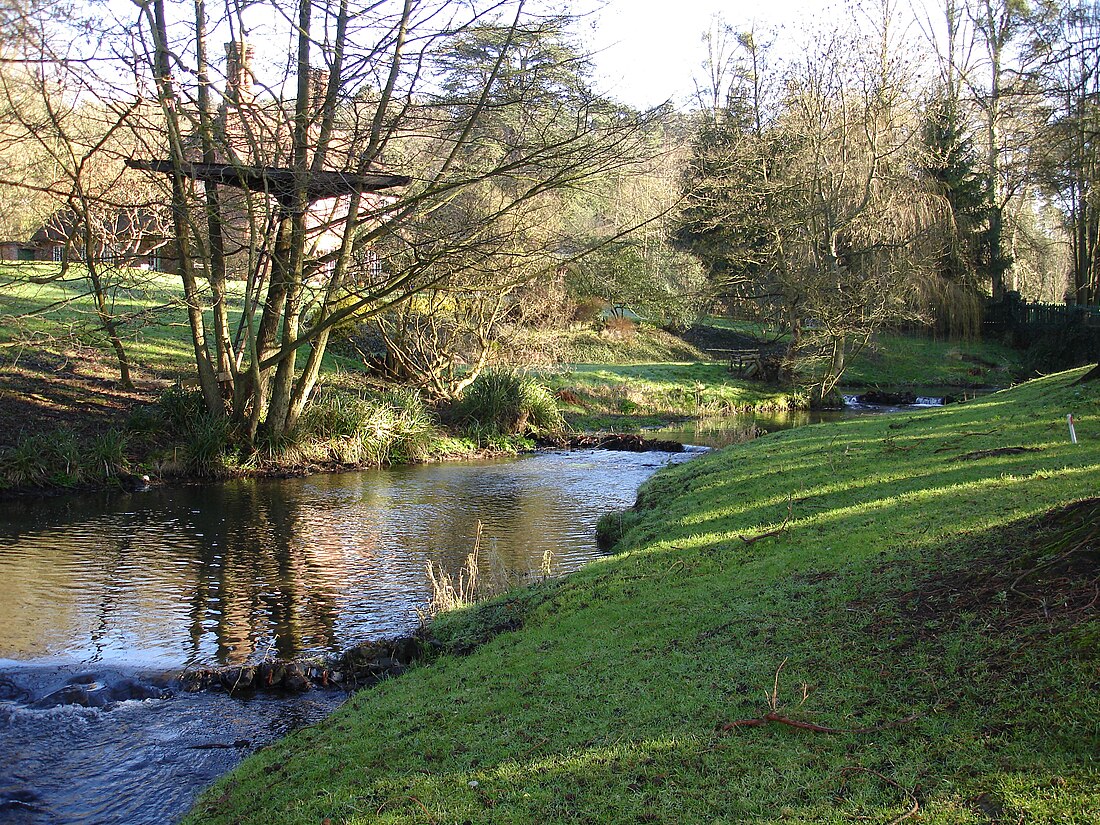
(1072, 329)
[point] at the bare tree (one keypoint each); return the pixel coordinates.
(1065, 61)
(63, 147)
(317, 226)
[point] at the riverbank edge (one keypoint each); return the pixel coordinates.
(654, 550)
(518, 445)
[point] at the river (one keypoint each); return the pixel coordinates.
(109, 597)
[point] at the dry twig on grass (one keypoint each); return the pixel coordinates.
(783, 528)
(774, 716)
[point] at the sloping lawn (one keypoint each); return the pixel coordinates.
(914, 586)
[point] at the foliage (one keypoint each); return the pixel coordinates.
(857, 576)
(509, 401)
(809, 211)
(1064, 48)
(951, 164)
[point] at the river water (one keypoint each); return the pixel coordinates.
(116, 595)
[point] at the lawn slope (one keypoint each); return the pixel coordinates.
(922, 587)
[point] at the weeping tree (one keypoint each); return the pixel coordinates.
(949, 161)
(317, 191)
(813, 215)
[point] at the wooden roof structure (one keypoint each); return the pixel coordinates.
(277, 181)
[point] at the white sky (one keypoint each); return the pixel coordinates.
(648, 51)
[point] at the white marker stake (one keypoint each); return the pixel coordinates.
(1072, 432)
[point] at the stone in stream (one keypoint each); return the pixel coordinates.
(91, 690)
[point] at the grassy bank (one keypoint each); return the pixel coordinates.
(894, 360)
(602, 396)
(913, 586)
(903, 361)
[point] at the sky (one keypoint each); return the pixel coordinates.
(648, 51)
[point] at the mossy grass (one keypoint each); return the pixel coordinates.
(899, 580)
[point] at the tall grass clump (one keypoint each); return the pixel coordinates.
(26, 464)
(205, 437)
(457, 591)
(392, 427)
(509, 402)
(468, 586)
(107, 455)
(61, 459)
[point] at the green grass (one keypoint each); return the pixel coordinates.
(901, 361)
(889, 590)
(37, 310)
(897, 361)
(599, 395)
(592, 345)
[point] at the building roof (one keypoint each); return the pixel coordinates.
(277, 181)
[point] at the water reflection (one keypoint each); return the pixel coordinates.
(235, 572)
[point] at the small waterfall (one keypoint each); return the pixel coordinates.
(927, 401)
(851, 400)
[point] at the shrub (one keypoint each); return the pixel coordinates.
(509, 402)
(391, 427)
(589, 309)
(618, 326)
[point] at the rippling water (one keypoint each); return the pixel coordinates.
(132, 588)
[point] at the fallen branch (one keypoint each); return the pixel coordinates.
(772, 533)
(954, 442)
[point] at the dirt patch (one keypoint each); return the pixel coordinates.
(44, 392)
(1043, 573)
